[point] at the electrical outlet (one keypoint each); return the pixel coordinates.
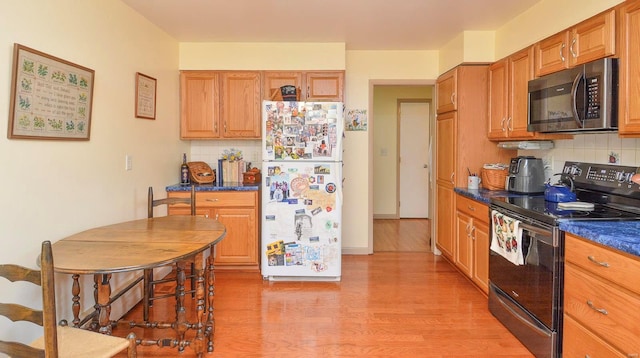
(128, 162)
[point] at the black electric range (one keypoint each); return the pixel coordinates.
(527, 297)
(614, 190)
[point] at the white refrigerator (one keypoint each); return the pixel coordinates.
(301, 207)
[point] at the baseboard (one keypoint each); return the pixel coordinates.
(355, 251)
(385, 216)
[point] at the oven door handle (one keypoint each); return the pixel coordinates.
(546, 236)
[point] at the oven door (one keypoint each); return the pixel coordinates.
(535, 285)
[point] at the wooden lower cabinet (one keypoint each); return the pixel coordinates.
(238, 211)
(444, 223)
(472, 241)
(601, 301)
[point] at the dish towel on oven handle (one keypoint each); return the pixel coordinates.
(506, 237)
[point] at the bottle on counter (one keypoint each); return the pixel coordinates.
(184, 171)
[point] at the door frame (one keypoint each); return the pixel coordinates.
(400, 101)
(371, 124)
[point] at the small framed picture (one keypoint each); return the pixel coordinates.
(145, 96)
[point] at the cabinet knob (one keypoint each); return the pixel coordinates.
(471, 208)
(562, 51)
(214, 200)
(504, 129)
(573, 42)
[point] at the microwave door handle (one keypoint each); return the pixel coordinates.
(574, 94)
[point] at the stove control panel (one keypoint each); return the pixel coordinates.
(604, 177)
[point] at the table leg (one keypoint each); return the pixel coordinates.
(181, 325)
(75, 306)
(210, 324)
(198, 345)
(103, 288)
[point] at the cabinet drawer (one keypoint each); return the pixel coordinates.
(607, 310)
(611, 265)
(220, 198)
(580, 342)
(473, 208)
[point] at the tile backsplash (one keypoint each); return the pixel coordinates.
(589, 148)
(210, 151)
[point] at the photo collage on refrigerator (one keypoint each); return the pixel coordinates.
(298, 130)
(302, 228)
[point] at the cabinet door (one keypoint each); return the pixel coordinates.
(240, 245)
(481, 255)
(498, 99)
(629, 30)
(241, 103)
(593, 39)
(464, 243)
(273, 80)
(446, 87)
(444, 220)
(520, 72)
(551, 54)
(325, 86)
(445, 147)
(199, 105)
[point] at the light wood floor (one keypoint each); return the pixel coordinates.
(403, 235)
(390, 304)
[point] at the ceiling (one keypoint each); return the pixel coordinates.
(360, 24)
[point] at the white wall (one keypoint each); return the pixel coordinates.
(52, 189)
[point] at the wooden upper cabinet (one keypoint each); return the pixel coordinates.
(498, 99)
(629, 69)
(200, 105)
(551, 54)
(589, 40)
(324, 86)
(320, 86)
(241, 104)
(520, 73)
(593, 39)
(508, 93)
(273, 80)
(446, 87)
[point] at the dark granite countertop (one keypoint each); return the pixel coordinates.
(484, 195)
(621, 235)
(232, 186)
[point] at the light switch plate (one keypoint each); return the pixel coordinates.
(128, 162)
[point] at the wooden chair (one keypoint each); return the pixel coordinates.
(149, 282)
(58, 340)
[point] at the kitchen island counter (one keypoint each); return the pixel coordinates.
(232, 186)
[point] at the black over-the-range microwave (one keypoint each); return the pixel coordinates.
(579, 99)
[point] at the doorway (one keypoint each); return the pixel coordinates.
(390, 147)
